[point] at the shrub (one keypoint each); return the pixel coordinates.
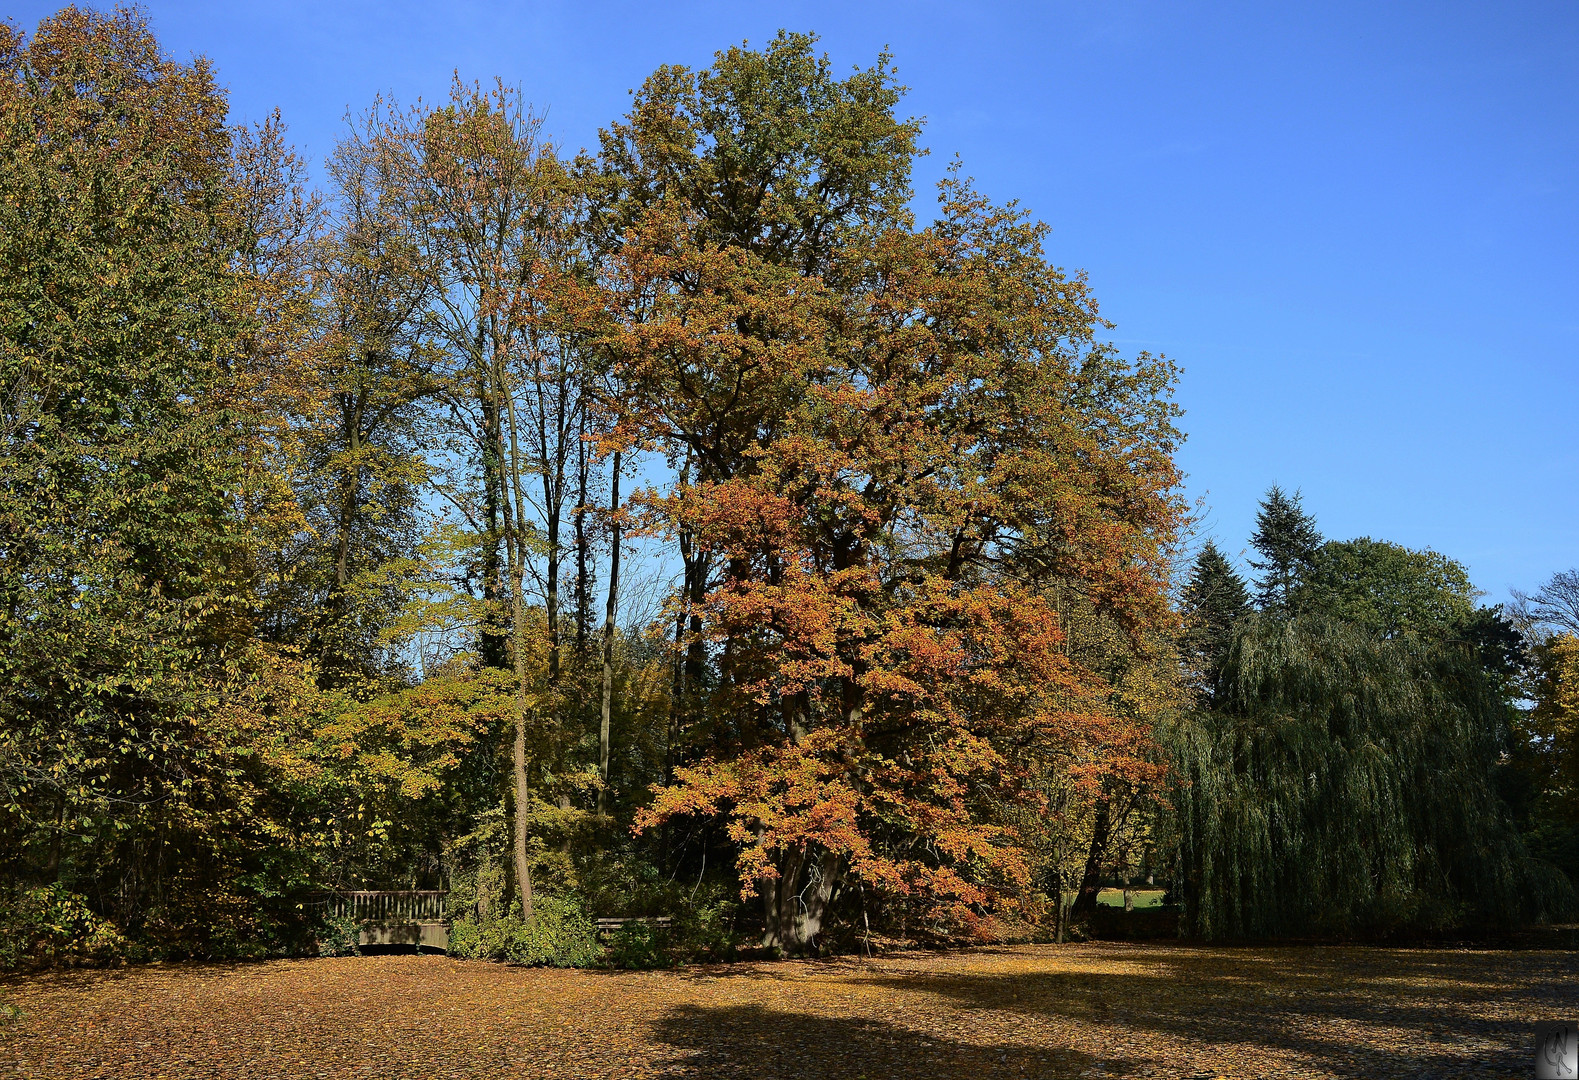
(638, 945)
(339, 937)
(52, 925)
(465, 939)
(706, 930)
(561, 934)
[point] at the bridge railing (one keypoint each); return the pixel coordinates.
(412, 906)
(427, 905)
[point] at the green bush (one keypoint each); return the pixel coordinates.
(561, 934)
(706, 930)
(465, 939)
(50, 925)
(640, 946)
(339, 937)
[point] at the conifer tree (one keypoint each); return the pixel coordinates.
(1287, 539)
(1214, 601)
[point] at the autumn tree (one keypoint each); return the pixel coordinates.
(898, 441)
(771, 153)
(354, 430)
(140, 722)
(1545, 759)
(1550, 732)
(494, 219)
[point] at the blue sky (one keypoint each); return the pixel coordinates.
(1355, 225)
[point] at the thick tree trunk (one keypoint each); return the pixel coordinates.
(796, 903)
(608, 640)
(1091, 881)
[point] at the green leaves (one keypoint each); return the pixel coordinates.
(1344, 784)
(1387, 588)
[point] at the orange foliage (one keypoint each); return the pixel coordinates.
(891, 480)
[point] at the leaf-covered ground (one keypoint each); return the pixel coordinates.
(1140, 1010)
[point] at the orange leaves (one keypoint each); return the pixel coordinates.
(900, 447)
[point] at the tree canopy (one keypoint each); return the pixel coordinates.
(1345, 785)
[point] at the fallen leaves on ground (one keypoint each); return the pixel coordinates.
(1029, 1012)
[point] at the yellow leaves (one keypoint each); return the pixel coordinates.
(1098, 1009)
(1555, 718)
(407, 742)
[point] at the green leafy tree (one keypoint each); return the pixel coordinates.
(144, 737)
(335, 581)
(1286, 539)
(1386, 588)
(1345, 784)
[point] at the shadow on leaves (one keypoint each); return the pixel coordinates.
(770, 1044)
(1416, 1019)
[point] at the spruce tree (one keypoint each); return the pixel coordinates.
(1214, 600)
(1287, 539)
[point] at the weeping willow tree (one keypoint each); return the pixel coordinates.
(1343, 785)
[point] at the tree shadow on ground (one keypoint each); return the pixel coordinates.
(771, 1044)
(1371, 1012)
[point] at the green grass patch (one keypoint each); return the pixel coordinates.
(1144, 898)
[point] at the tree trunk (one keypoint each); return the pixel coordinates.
(608, 639)
(492, 642)
(52, 871)
(1091, 882)
(551, 597)
(523, 802)
(796, 903)
(552, 454)
(583, 585)
(515, 511)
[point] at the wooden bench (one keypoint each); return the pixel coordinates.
(417, 917)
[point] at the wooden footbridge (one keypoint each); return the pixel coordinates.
(416, 917)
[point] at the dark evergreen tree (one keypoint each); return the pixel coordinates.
(1215, 599)
(1287, 539)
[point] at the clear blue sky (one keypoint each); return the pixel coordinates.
(1355, 225)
